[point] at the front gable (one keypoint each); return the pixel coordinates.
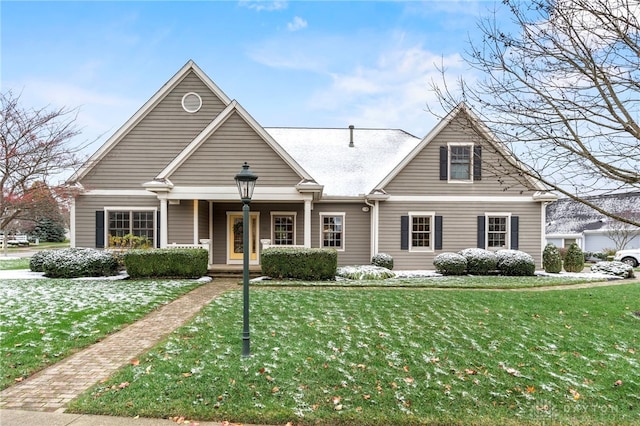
(158, 132)
(426, 171)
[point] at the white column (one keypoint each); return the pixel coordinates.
(72, 223)
(196, 237)
(164, 226)
(375, 228)
(210, 232)
(307, 223)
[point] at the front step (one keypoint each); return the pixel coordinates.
(233, 271)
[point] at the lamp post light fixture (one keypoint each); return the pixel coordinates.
(246, 182)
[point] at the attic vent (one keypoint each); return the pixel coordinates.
(191, 102)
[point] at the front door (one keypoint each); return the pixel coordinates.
(235, 236)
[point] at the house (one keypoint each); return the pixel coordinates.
(168, 174)
(569, 221)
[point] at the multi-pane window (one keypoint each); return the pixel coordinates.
(137, 223)
(333, 231)
(283, 229)
(420, 231)
(460, 162)
(497, 231)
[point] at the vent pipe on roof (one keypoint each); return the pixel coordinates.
(351, 127)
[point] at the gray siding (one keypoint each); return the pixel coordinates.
(86, 207)
(421, 176)
(220, 158)
(459, 229)
(203, 220)
(154, 142)
(180, 222)
(357, 229)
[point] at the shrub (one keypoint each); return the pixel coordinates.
(450, 263)
(129, 241)
(574, 259)
(479, 261)
(49, 230)
(300, 263)
(383, 260)
(166, 263)
(515, 263)
(551, 259)
(75, 263)
(36, 263)
(364, 272)
(619, 269)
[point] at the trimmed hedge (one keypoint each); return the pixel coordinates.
(309, 264)
(450, 264)
(574, 259)
(383, 260)
(74, 263)
(515, 263)
(551, 259)
(479, 261)
(166, 263)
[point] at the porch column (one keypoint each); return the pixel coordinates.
(196, 236)
(164, 225)
(374, 227)
(307, 223)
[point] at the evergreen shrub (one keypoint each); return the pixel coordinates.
(515, 263)
(618, 269)
(383, 260)
(551, 259)
(166, 263)
(75, 263)
(450, 264)
(574, 259)
(310, 264)
(479, 261)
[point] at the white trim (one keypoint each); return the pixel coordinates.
(121, 192)
(196, 236)
(230, 193)
(471, 147)
(308, 206)
(507, 237)
(164, 223)
(460, 198)
(295, 225)
(184, 107)
(130, 209)
(72, 223)
(432, 231)
(144, 110)
(321, 216)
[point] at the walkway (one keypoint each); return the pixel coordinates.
(54, 387)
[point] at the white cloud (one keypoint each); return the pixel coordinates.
(266, 5)
(297, 24)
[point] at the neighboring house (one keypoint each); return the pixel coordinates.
(570, 221)
(168, 173)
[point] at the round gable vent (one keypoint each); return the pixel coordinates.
(191, 102)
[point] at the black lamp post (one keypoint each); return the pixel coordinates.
(246, 182)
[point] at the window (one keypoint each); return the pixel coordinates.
(137, 223)
(460, 158)
(422, 231)
(283, 229)
(497, 230)
(332, 230)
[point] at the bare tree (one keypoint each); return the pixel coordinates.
(562, 90)
(34, 146)
(622, 233)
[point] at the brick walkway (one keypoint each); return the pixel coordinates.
(54, 387)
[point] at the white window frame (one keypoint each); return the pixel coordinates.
(449, 159)
(154, 210)
(507, 238)
(343, 236)
(273, 230)
(432, 231)
(184, 106)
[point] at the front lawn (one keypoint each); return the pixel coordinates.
(394, 356)
(14, 263)
(42, 321)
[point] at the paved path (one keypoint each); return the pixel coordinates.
(54, 387)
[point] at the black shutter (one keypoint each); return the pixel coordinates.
(99, 228)
(404, 232)
(444, 163)
(158, 227)
(438, 237)
(477, 162)
(515, 225)
(481, 221)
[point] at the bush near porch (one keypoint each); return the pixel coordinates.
(167, 263)
(300, 263)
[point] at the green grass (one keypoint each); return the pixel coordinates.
(42, 321)
(14, 263)
(461, 282)
(394, 356)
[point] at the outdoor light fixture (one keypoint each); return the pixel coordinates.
(246, 182)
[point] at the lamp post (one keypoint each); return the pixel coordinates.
(246, 182)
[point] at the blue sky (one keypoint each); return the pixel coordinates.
(288, 63)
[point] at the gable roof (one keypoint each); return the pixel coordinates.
(478, 126)
(567, 216)
(345, 170)
(190, 66)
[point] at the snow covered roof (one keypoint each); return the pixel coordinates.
(346, 170)
(567, 216)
